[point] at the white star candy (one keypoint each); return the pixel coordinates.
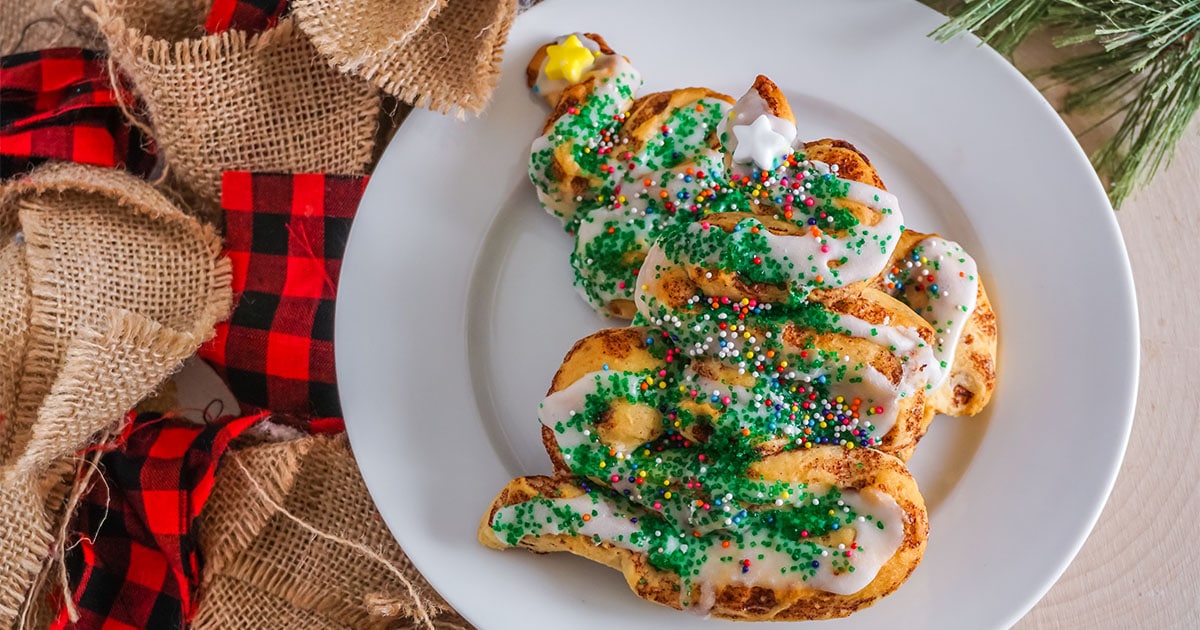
(759, 143)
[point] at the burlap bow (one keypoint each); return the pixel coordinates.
(105, 288)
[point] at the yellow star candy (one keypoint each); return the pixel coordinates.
(568, 60)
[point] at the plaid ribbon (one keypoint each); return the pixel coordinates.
(254, 16)
(59, 104)
(136, 563)
(285, 235)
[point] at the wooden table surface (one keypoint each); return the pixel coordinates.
(1141, 566)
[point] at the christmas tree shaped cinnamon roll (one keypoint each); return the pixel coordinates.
(616, 168)
(739, 450)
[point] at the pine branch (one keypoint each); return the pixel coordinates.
(1147, 70)
(1003, 24)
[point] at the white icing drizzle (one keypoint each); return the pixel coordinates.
(860, 381)
(631, 216)
(866, 264)
(865, 249)
(799, 253)
(863, 382)
(920, 365)
(944, 264)
(875, 547)
(874, 198)
(594, 284)
(730, 346)
(609, 523)
(616, 93)
(562, 405)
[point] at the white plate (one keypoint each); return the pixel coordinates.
(456, 304)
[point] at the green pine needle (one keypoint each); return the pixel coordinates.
(1147, 70)
(1000, 23)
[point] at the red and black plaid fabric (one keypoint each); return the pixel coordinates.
(136, 562)
(58, 104)
(285, 235)
(254, 16)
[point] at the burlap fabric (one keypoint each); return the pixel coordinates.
(27, 25)
(355, 34)
(111, 289)
(113, 286)
(14, 320)
(431, 53)
(232, 101)
(291, 538)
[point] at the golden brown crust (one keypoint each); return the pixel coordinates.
(535, 65)
(776, 102)
(563, 166)
(622, 349)
(716, 282)
(872, 306)
(571, 96)
(852, 164)
(645, 580)
(647, 114)
(857, 470)
(625, 350)
(622, 309)
(559, 465)
(973, 374)
(643, 120)
(972, 379)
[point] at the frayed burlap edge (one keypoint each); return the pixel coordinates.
(427, 71)
(124, 38)
(42, 361)
(193, 160)
(342, 30)
(42, 488)
(80, 396)
(24, 545)
(423, 91)
(276, 506)
(9, 226)
(125, 189)
(132, 193)
(68, 400)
